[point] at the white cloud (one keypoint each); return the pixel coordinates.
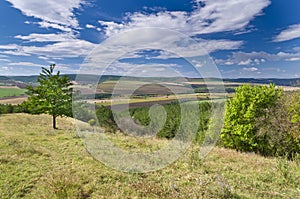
(46, 37)
(247, 62)
(293, 59)
(71, 48)
(9, 47)
(52, 11)
(146, 69)
(24, 64)
(215, 16)
(19, 52)
(45, 24)
(90, 26)
(4, 60)
(252, 69)
(65, 49)
(292, 32)
(110, 27)
(43, 58)
(255, 58)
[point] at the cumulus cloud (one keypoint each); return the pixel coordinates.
(247, 62)
(90, 26)
(24, 64)
(214, 16)
(292, 32)
(71, 48)
(55, 12)
(252, 69)
(45, 24)
(34, 37)
(9, 47)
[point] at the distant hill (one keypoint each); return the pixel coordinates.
(92, 78)
(3, 78)
(279, 82)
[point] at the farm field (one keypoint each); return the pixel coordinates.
(163, 99)
(11, 91)
(13, 100)
(36, 162)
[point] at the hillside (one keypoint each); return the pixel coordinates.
(37, 162)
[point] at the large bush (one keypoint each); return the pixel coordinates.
(105, 118)
(282, 126)
(240, 130)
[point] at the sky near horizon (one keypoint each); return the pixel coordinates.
(244, 38)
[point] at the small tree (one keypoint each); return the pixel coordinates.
(53, 95)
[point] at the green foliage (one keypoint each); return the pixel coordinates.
(249, 103)
(294, 106)
(281, 126)
(105, 118)
(171, 126)
(92, 122)
(53, 95)
(8, 108)
(83, 111)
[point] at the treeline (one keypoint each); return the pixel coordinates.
(8, 108)
(104, 117)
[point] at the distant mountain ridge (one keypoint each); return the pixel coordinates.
(278, 81)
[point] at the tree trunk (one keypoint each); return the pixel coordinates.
(54, 121)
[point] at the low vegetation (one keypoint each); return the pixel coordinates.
(40, 163)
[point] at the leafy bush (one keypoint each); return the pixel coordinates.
(282, 126)
(240, 130)
(105, 118)
(92, 122)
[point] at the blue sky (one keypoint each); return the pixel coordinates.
(245, 38)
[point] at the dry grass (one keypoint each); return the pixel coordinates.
(13, 100)
(37, 162)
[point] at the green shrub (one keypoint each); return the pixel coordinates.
(281, 126)
(92, 122)
(240, 130)
(105, 118)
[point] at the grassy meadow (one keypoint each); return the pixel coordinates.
(37, 162)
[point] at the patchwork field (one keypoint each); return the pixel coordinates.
(37, 162)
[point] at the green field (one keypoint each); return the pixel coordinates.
(37, 162)
(11, 92)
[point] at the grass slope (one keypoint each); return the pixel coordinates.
(37, 162)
